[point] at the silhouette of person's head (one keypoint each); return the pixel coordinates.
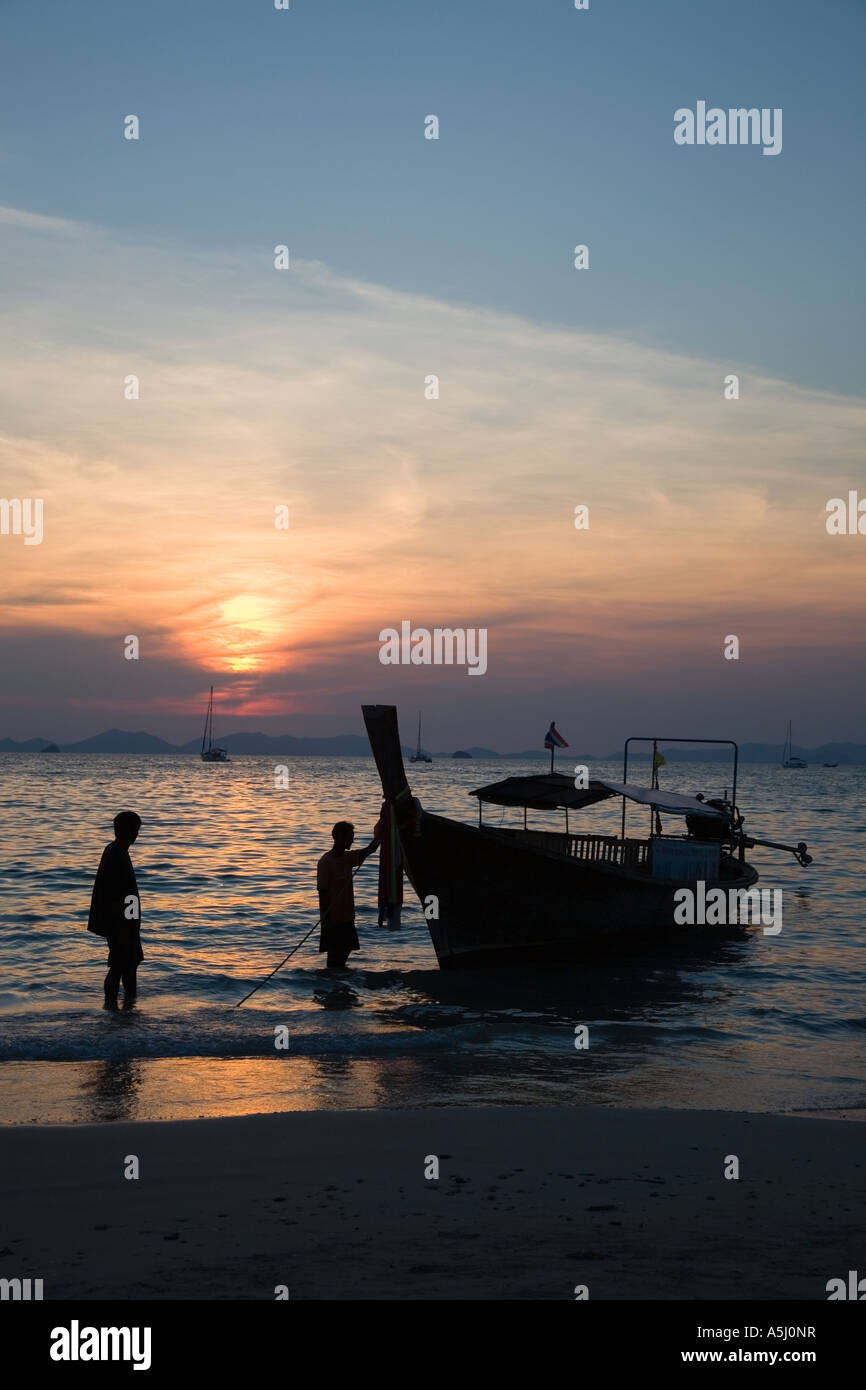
(126, 827)
(343, 833)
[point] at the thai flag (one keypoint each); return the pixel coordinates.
(553, 738)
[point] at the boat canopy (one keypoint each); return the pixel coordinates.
(661, 800)
(548, 791)
(551, 791)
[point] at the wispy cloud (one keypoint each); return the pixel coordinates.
(259, 388)
(38, 222)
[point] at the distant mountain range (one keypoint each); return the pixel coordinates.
(356, 746)
(121, 741)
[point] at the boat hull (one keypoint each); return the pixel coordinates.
(498, 900)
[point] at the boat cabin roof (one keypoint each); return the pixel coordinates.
(546, 791)
(551, 791)
(675, 803)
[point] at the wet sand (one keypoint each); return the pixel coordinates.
(529, 1203)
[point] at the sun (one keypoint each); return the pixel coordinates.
(243, 632)
(246, 611)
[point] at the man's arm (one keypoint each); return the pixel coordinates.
(365, 853)
(121, 887)
(107, 901)
(323, 886)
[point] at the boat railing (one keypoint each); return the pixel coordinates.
(629, 854)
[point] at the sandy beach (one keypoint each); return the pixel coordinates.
(529, 1203)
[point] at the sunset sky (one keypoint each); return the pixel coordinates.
(412, 257)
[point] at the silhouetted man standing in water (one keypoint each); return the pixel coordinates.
(337, 895)
(115, 909)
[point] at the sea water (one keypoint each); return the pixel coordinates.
(226, 865)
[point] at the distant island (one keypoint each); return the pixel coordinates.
(356, 746)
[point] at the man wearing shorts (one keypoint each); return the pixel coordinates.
(336, 894)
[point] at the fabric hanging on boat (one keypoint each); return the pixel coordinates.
(390, 867)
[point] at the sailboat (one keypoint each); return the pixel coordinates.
(419, 757)
(210, 753)
(788, 758)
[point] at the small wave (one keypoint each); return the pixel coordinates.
(125, 1039)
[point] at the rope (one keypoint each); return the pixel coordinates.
(294, 948)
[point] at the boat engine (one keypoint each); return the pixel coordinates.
(716, 830)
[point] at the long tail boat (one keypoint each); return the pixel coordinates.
(493, 894)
